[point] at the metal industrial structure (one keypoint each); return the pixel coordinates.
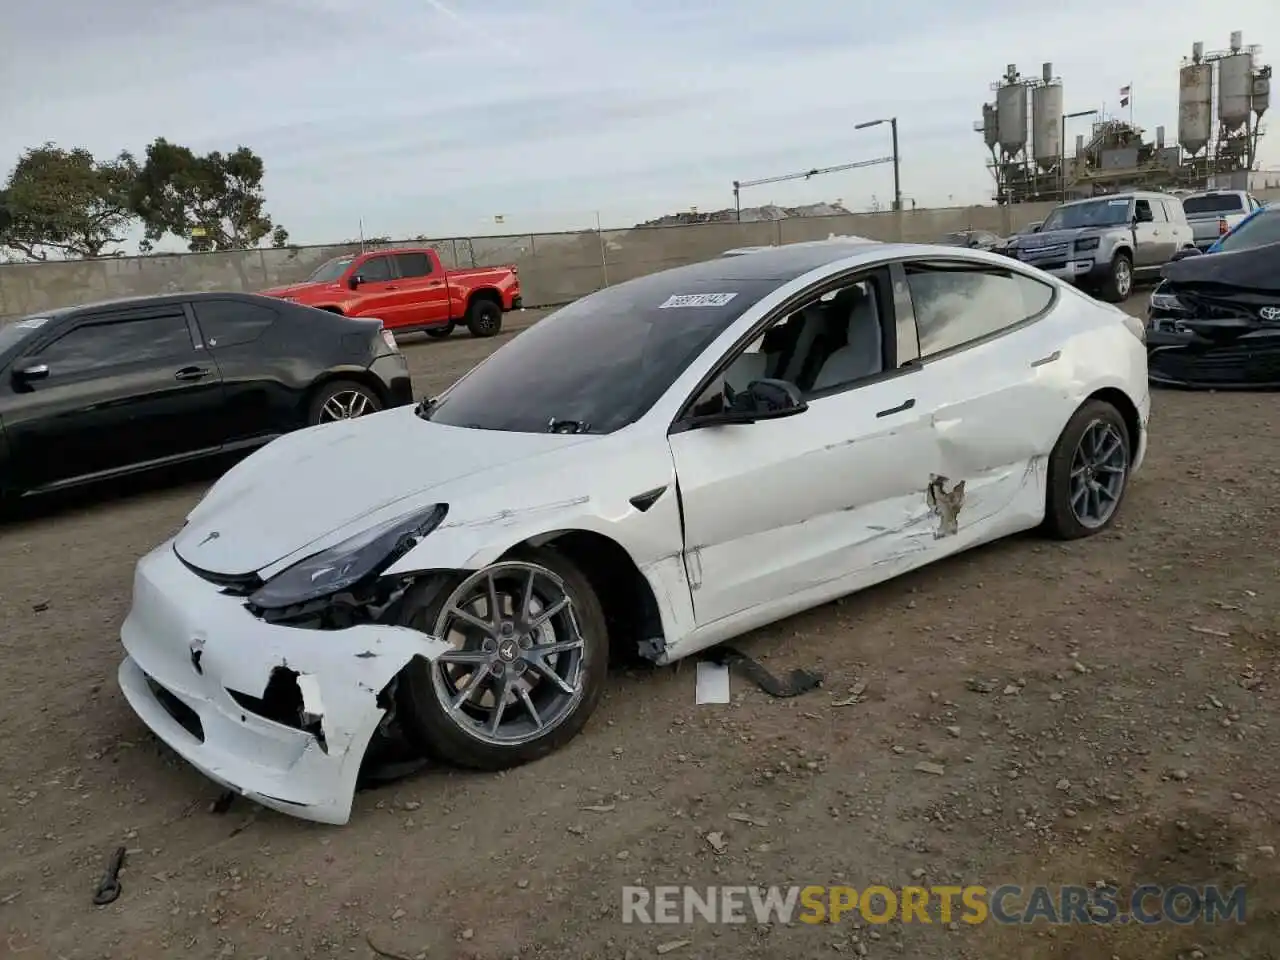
(1222, 97)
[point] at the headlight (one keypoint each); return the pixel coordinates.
(344, 565)
(1089, 244)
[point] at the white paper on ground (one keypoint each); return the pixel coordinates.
(712, 684)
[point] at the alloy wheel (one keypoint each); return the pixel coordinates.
(515, 672)
(1099, 470)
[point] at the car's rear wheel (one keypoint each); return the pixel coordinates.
(1088, 472)
(1119, 283)
(342, 400)
(484, 318)
(439, 333)
(528, 662)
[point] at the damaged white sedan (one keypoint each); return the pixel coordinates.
(658, 467)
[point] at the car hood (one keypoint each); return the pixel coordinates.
(1035, 241)
(300, 290)
(312, 483)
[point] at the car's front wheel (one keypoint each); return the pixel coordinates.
(1088, 472)
(528, 662)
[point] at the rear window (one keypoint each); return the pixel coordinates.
(1212, 203)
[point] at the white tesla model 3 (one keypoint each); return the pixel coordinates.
(658, 467)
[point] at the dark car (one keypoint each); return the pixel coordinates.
(973, 239)
(1215, 318)
(106, 389)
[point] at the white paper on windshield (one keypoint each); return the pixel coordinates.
(696, 300)
(32, 323)
(1117, 203)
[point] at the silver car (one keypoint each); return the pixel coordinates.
(1104, 244)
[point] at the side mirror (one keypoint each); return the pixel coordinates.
(1188, 252)
(35, 371)
(762, 400)
(355, 281)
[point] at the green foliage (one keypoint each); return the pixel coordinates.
(65, 202)
(213, 202)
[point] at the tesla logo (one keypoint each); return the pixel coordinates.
(1269, 313)
(212, 536)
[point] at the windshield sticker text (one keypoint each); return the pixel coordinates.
(696, 300)
(1117, 203)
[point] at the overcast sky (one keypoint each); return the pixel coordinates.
(433, 116)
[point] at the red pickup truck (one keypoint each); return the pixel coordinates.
(408, 290)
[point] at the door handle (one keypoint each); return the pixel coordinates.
(900, 408)
(1056, 355)
(392, 287)
(436, 283)
(191, 373)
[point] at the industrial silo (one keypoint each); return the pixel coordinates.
(1195, 105)
(1235, 86)
(1046, 121)
(990, 126)
(1011, 107)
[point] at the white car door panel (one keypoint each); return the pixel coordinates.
(776, 507)
(996, 410)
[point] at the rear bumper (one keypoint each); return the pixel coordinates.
(392, 371)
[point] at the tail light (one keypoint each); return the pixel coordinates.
(1222, 226)
(389, 339)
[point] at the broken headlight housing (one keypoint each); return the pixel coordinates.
(343, 566)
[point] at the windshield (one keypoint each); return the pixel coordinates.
(1094, 213)
(1030, 228)
(331, 271)
(1212, 203)
(1258, 231)
(601, 362)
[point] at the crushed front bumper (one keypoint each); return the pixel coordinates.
(197, 662)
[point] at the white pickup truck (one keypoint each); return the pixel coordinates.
(1213, 213)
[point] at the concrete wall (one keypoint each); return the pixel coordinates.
(554, 268)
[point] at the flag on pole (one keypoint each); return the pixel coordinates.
(1125, 95)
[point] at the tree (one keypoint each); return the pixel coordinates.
(66, 202)
(213, 202)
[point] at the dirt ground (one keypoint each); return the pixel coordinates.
(1099, 711)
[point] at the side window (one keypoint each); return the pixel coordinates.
(225, 323)
(833, 341)
(957, 304)
(1142, 211)
(94, 346)
(376, 270)
(413, 265)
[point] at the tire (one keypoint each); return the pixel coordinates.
(461, 737)
(484, 318)
(336, 395)
(1119, 283)
(1063, 513)
(440, 333)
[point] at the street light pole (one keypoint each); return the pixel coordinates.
(1062, 160)
(897, 167)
